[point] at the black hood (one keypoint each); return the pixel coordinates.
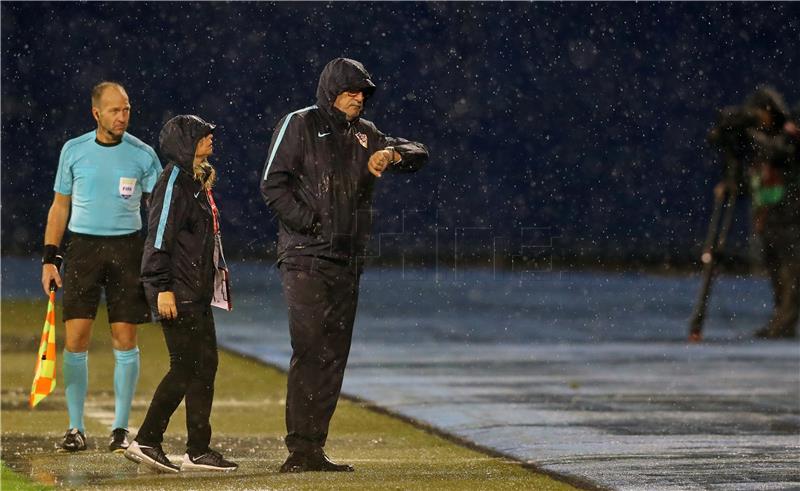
(339, 75)
(768, 99)
(179, 137)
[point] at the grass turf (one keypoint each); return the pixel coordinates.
(10, 480)
(247, 421)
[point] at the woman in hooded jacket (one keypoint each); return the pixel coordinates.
(182, 262)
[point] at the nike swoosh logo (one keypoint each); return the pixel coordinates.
(197, 194)
(323, 134)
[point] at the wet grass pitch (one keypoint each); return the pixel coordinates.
(247, 422)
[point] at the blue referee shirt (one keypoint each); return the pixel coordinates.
(106, 183)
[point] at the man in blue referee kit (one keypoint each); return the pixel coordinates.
(102, 178)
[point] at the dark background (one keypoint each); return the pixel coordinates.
(575, 132)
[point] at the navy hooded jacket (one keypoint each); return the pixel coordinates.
(179, 249)
(316, 179)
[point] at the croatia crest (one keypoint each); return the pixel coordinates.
(362, 139)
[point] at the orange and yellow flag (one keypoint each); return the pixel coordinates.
(44, 379)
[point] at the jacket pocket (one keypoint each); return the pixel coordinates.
(311, 201)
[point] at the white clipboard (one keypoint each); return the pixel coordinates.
(222, 280)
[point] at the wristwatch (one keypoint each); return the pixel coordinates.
(392, 150)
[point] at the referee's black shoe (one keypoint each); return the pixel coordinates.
(74, 441)
(119, 440)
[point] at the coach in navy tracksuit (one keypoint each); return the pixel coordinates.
(318, 180)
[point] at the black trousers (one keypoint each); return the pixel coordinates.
(192, 344)
(781, 252)
(322, 296)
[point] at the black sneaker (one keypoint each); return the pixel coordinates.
(119, 440)
(318, 461)
(295, 462)
(74, 441)
(313, 460)
(152, 457)
(209, 461)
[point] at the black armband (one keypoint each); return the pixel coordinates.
(50, 253)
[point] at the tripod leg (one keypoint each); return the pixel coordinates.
(715, 240)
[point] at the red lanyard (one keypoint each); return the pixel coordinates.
(214, 211)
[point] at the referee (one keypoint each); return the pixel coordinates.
(102, 178)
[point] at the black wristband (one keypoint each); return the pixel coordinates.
(50, 253)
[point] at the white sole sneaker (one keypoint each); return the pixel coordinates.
(135, 454)
(188, 466)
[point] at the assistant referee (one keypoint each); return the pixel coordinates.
(102, 178)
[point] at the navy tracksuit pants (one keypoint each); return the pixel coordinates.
(322, 296)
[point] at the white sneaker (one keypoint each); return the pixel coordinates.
(153, 457)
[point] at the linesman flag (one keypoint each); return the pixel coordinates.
(44, 379)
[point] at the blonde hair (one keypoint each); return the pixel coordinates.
(205, 173)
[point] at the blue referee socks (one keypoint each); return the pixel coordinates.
(126, 375)
(76, 381)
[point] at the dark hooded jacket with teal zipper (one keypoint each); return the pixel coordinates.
(179, 250)
(316, 179)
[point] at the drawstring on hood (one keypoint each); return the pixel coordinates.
(178, 143)
(339, 75)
